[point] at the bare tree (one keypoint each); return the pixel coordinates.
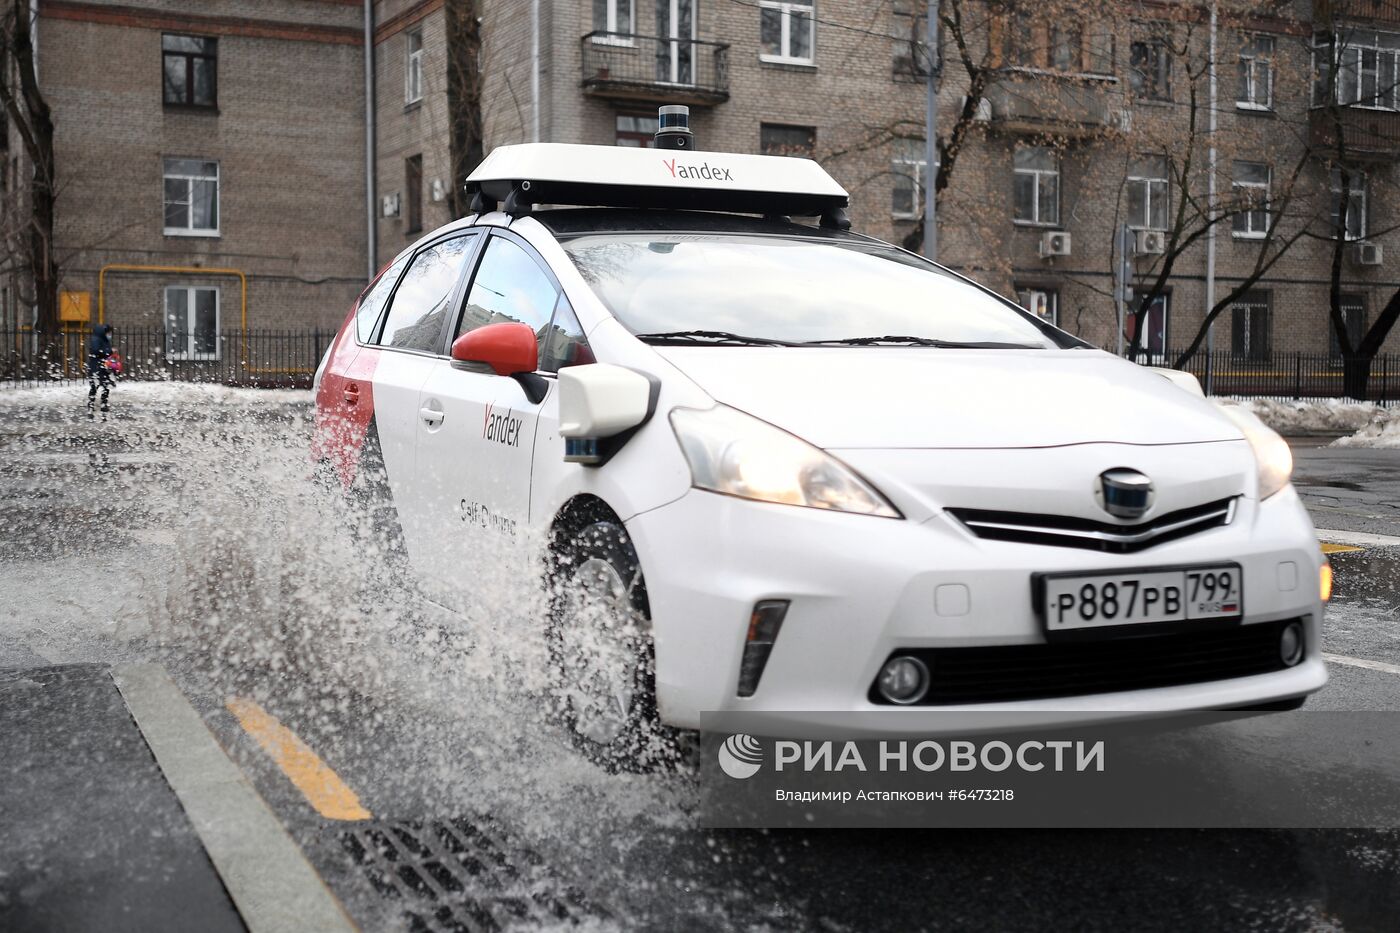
(464, 96)
(1345, 146)
(33, 123)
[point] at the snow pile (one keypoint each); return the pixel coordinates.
(1313, 416)
(1384, 431)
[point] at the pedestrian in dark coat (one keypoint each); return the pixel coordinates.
(99, 352)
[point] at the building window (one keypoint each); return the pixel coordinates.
(1356, 205)
(1066, 47)
(1044, 303)
(191, 197)
(1032, 42)
(786, 32)
(637, 131)
(911, 58)
(413, 68)
(1256, 79)
(413, 193)
(1249, 333)
(1354, 315)
(189, 65)
(1251, 192)
(191, 323)
(1149, 193)
(910, 169)
(1150, 70)
(1037, 186)
(1366, 66)
(612, 16)
(779, 140)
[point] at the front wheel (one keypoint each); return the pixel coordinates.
(601, 649)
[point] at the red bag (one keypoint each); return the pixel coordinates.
(114, 362)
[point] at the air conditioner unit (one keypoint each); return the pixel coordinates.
(983, 113)
(389, 205)
(1056, 243)
(1367, 254)
(1120, 120)
(1151, 243)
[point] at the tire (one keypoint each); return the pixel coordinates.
(601, 652)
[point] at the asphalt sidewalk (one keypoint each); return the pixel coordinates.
(120, 811)
(95, 837)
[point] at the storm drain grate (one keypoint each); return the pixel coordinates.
(462, 875)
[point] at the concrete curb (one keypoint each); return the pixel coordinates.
(1356, 538)
(266, 874)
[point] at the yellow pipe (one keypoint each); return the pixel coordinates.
(190, 270)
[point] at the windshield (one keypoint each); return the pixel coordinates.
(740, 289)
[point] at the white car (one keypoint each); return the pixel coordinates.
(787, 469)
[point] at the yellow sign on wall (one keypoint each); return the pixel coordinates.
(75, 307)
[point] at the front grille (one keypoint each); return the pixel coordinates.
(1067, 531)
(1035, 672)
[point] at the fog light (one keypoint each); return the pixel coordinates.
(1324, 581)
(1290, 644)
(903, 680)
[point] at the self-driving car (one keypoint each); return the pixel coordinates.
(784, 468)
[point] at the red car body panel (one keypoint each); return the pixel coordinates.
(344, 404)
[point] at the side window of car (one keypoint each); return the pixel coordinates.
(562, 342)
(509, 286)
(372, 302)
(422, 303)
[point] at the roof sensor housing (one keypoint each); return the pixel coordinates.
(673, 127)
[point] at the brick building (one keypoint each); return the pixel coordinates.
(1089, 118)
(1081, 129)
(200, 154)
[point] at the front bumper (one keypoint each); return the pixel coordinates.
(862, 587)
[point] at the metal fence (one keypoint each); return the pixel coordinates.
(289, 358)
(1284, 375)
(236, 357)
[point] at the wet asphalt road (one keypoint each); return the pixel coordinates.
(181, 533)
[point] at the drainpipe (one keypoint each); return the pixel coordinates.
(371, 192)
(535, 70)
(1210, 202)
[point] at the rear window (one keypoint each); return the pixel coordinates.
(791, 289)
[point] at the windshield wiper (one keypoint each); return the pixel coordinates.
(712, 337)
(906, 341)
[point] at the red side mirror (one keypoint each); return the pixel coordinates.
(508, 348)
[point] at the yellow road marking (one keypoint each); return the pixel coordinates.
(321, 786)
(1339, 548)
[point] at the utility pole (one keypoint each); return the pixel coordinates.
(935, 67)
(1210, 205)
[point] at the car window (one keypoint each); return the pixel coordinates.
(420, 304)
(562, 343)
(372, 302)
(509, 286)
(793, 289)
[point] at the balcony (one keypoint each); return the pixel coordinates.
(1367, 133)
(1030, 102)
(628, 67)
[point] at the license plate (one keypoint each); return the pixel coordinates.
(1135, 597)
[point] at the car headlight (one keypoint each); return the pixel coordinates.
(737, 454)
(1270, 451)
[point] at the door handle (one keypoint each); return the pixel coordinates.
(432, 416)
(351, 394)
